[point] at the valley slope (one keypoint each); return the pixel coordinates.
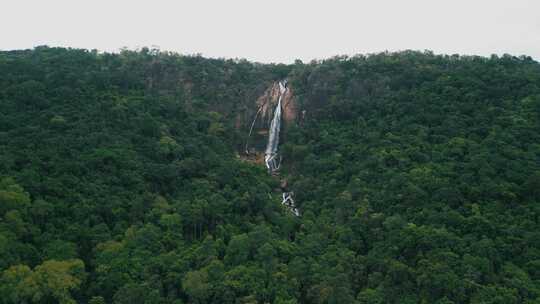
(123, 179)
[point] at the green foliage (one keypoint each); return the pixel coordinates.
(417, 176)
(51, 281)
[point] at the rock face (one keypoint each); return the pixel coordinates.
(268, 101)
(263, 109)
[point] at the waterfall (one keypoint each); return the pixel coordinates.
(271, 154)
(287, 200)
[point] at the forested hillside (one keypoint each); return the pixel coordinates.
(122, 180)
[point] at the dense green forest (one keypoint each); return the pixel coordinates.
(417, 176)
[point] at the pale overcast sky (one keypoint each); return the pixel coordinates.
(276, 31)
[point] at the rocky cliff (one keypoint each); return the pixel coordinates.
(263, 107)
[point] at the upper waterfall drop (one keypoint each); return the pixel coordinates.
(271, 153)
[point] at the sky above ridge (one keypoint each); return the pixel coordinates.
(276, 31)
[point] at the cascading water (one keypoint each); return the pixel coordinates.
(287, 200)
(271, 153)
(272, 159)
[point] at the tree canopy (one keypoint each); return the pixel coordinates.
(417, 176)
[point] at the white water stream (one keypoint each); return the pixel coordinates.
(271, 154)
(272, 159)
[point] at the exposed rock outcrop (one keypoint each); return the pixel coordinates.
(268, 101)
